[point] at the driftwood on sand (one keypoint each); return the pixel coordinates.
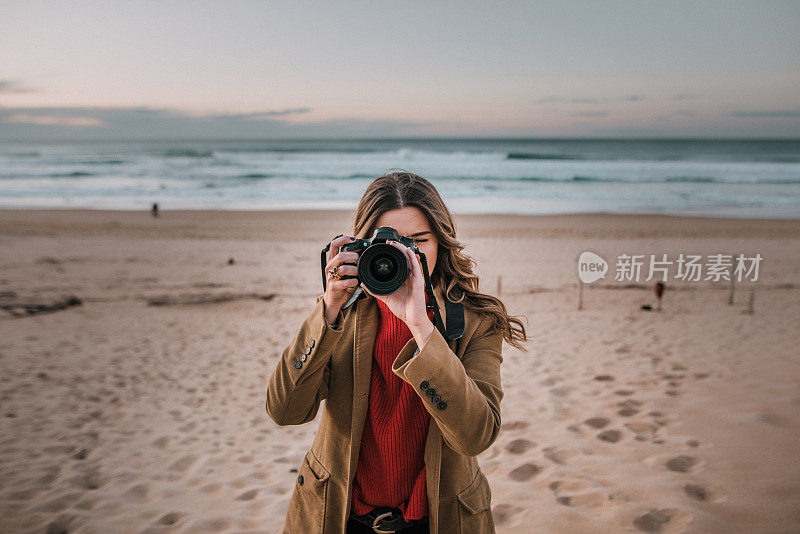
(25, 309)
(204, 298)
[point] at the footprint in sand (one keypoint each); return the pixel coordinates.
(604, 378)
(643, 431)
(561, 456)
(681, 464)
(678, 464)
(160, 443)
(516, 425)
(610, 435)
(89, 480)
(182, 464)
(673, 377)
(549, 381)
(210, 524)
(561, 391)
(519, 446)
(577, 493)
(171, 518)
(597, 422)
(700, 492)
(60, 524)
(508, 515)
(624, 392)
(663, 520)
(138, 493)
(248, 495)
(211, 488)
(629, 407)
(524, 472)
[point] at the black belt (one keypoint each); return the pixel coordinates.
(385, 520)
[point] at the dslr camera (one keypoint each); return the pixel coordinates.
(382, 268)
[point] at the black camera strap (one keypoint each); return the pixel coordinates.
(455, 310)
(323, 259)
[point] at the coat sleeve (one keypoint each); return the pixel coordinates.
(299, 382)
(462, 395)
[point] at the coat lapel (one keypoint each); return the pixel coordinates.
(366, 329)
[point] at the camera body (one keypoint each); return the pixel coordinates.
(382, 267)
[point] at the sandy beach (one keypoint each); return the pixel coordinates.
(121, 415)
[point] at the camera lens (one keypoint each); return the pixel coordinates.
(382, 268)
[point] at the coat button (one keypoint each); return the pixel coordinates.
(308, 351)
(430, 392)
(303, 358)
(436, 399)
(424, 385)
(311, 345)
(300, 479)
(298, 364)
(442, 405)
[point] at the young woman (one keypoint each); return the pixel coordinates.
(406, 410)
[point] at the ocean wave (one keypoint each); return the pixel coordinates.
(256, 176)
(529, 155)
(699, 179)
(187, 153)
(103, 162)
(32, 154)
(76, 174)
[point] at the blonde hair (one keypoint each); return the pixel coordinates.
(454, 269)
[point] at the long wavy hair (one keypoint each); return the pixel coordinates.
(453, 272)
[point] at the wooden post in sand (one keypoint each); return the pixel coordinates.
(750, 303)
(730, 293)
(580, 295)
(499, 284)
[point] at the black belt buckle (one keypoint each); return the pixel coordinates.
(386, 520)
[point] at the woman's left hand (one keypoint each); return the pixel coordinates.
(408, 302)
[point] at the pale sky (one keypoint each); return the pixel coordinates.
(399, 69)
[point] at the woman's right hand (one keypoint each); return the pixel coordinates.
(335, 294)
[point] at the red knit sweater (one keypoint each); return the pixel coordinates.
(391, 463)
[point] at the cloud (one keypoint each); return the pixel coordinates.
(684, 96)
(10, 86)
(767, 114)
(583, 101)
(79, 122)
(686, 113)
(589, 100)
(589, 114)
(257, 115)
(549, 99)
(169, 123)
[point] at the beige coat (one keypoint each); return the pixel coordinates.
(334, 364)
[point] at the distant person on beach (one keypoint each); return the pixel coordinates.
(154, 211)
(406, 409)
